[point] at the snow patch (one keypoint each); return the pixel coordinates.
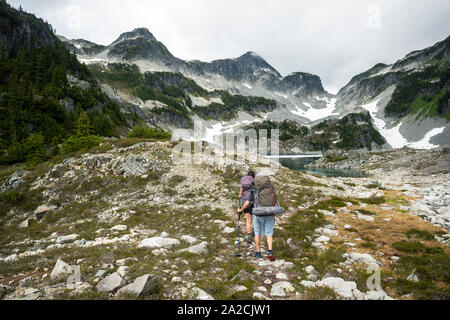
(393, 135)
(425, 142)
(314, 114)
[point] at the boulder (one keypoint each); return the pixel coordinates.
(199, 294)
(14, 181)
(110, 283)
(142, 286)
(340, 286)
(66, 239)
(189, 239)
(61, 269)
(201, 248)
(281, 289)
(158, 243)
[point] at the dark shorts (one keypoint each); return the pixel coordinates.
(249, 209)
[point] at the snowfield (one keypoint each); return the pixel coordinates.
(314, 114)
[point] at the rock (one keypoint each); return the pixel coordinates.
(27, 282)
(4, 290)
(322, 239)
(142, 286)
(100, 273)
(110, 283)
(44, 209)
(24, 224)
(277, 264)
(268, 281)
(122, 271)
(365, 217)
(365, 195)
(340, 286)
(80, 289)
(14, 181)
(126, 261)
(262, 289)
(281, 289)
(201, 248)
(229, 230)
(413, 277)
(281, 276)
(379, 294)
(61, 269)
(164, 235)
(238, 289)
(189, 239)
(242, 276)
(199, 294)
(119, 228)
(361, 258)
(158, 243)
(310, 269)
(259, 296)
(66, 239)
(358, 294)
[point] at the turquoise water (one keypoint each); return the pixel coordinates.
(299, 164)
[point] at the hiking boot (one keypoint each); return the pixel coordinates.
(271, 257)
(258, 255)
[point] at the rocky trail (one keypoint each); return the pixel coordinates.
(134, 225)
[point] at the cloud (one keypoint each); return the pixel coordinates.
(333, 39)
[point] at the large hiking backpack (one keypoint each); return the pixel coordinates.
(266, 201)
(247, 186)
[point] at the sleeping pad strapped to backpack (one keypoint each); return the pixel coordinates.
(266, 202)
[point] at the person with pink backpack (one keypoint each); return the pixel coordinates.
(247, 199)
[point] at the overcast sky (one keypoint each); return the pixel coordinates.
(335, 39)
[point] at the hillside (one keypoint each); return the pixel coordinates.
(124, 212)
(44, 90)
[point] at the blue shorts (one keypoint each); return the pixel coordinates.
(264, 225)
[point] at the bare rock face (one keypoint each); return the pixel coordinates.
(14, 181)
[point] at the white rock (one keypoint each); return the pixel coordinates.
(308, 284)
(110, 283)
(189, 239)
(379, 294)
(322, 239)
(365, 195)
(24, 224)
(281, 289)
(281, 276)
(365, 217)
(268, 281)
(259, 296)
(262, 289)
(66, 239)
(122, 271)
(358, 294)
(141, 286)
(362, 258)
(310, 269)
(238, 289)
(44, 209)
(159, 242)
(61, 269)
(229, 230)
(199, 294)
(119, 228)
(340, 286)
(201, 248)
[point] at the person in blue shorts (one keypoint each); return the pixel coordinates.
(263, 226)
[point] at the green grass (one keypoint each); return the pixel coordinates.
(419, 234)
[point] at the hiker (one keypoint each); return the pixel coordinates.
(246, 196)
(266, 206)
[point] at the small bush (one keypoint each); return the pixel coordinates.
(77, 143)
(409, 247)
(141, 131)
(420, 234)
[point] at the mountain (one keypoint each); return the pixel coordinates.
(409, 100)
(46, 94)
(300, 96)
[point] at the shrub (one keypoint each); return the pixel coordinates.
(75, 143)
(142, 131)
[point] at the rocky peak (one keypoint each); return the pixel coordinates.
(303, 84)
(136, 33)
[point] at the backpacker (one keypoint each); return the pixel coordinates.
(266, 201)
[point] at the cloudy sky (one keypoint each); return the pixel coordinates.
(335, 39)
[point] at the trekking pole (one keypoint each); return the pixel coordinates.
(238, 254)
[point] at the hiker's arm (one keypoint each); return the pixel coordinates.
(240, 194)
(246, 204)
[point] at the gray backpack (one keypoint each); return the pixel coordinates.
(266, 201)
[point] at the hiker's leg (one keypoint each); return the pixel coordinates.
(258, 242)
(270, 243)
(269, 225)
(248, 218)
